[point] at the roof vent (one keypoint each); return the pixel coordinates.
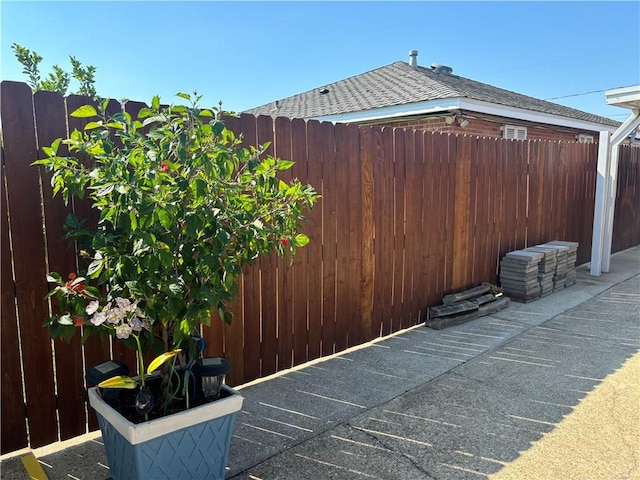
(324, 91)
(413, 58)
(438, 68)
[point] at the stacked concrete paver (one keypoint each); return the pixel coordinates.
(546, 267)
(519, 275)
(570, 259)
(535, 272)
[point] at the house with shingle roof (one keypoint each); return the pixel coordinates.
(408, 95)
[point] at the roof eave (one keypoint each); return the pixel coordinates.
(626, 97)
(478, 106)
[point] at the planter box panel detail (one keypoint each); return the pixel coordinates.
(193, 444)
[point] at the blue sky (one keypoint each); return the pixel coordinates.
(251, 53)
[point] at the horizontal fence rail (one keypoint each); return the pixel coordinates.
(405, 217)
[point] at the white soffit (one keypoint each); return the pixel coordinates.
(627, 97)
(448, 104)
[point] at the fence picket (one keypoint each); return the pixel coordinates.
(29, 269)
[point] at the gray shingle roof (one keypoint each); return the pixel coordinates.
(400, 84)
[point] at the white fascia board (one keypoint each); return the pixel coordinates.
(395, 111)
(448, 104)
(627, 97)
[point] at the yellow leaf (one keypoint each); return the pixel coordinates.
(119, 381)
(155, 364)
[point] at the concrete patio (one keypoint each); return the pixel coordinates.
(478, 400)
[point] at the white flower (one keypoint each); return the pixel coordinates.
(122, 302)
(99, 318)
(114, 315)
(123, 331)
(92, 307)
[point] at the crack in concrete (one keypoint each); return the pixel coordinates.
(384, 445)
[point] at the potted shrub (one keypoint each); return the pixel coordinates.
(182, 208)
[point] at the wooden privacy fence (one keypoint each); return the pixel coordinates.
(405, 217)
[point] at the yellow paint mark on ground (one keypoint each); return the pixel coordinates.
(599, 439)
(33, 468)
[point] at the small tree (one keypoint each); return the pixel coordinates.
(182, 209)
(58, 80)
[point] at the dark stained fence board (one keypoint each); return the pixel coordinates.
(348, 149)
(473, 212)
(521, 205)
(367, 283)
(314, 172)
(23, 195)
(461, 211)
(14, 432)
(426, 274)
(413, 229)
(285, 274)
(534, 198)
(449, 242)
(252, 308)
(328, 239)
(398, 222)
(345, 287)
(300, 292)
(384, 232)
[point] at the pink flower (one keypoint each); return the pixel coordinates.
(284, 242)
(165, 167)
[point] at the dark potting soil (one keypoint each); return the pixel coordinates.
(124, 400)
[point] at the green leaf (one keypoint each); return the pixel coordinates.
(175, 289)
(86, 111)
(155, 118)
(186, 96)
(218, 127)
(159, 360)
(55, 145)
(164, 217)
(92, 292)
(134, 220)
(92, 125)
(54, 277)
(95, 268)
(155, 102)
(301, 240)
(285, 164)
(145, 112)
(225, 316)
(134, 288)
(65, 319)
(120, 381)
(44, 161)
(206, 113)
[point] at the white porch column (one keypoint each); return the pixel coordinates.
(616, 139)
(599, 223)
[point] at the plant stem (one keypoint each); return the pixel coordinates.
(140, 360)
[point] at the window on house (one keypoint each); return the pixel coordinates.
(514, 133)
(584, 138)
